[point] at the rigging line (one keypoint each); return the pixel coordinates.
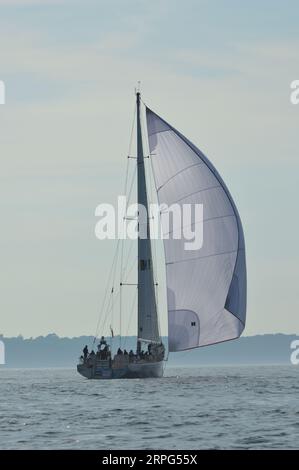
(128, 257)
(132, 128)
(111, 280)
(122, 259)
(110, 285)
(114, 263)
(116, 295)
(132, 266)
(120, 287)
(115, 298)
(133, 177)
(127, 202)
(103, 322)
(109, 308)
(106, 292)
(122, 241)
(131, 315)
(126, 274)
(126, 179)
(112, 317)
(130, 143)
(122, 278)
(109, 311)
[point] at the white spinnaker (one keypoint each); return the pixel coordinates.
(206, 287)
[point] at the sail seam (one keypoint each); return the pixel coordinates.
(208, 344)
(178, 173)
(196, 192)
(237, 254)
(202, 221)
(201, 257)
(215, 173)
(159, 132)
(205, 160)
(217, 176)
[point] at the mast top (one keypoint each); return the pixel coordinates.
(137, 91)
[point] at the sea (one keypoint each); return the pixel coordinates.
(237, 407)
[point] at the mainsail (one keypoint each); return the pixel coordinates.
(206, 288)
(147, 309)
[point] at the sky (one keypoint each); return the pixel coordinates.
(219, 71)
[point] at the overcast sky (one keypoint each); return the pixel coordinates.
(219, 71)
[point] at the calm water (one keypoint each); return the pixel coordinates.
(228, 407)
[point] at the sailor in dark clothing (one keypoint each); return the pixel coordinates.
(125, 352)
(105, 352)
(119, 351)
(91, 357)
(131, 355)
(85, 352)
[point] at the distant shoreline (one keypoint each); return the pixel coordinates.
(51, 351)
(171, 366)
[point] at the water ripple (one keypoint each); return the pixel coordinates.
(204, 408)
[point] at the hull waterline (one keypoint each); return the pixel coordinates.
(132, 371)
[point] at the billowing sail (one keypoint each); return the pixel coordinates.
(206, 287)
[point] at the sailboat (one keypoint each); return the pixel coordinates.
(206, 287)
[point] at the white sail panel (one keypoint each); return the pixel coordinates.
(206, 288)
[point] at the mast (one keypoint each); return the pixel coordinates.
(147, 309)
